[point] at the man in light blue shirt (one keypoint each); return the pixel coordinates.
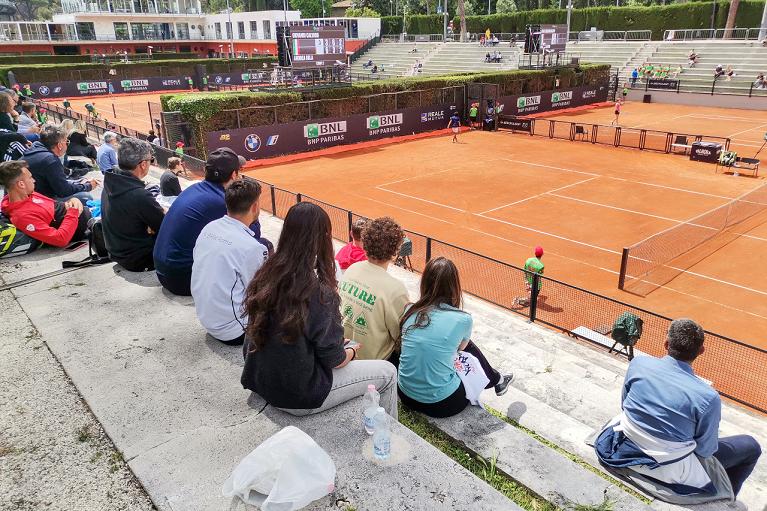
(106, 156)
(665, 400)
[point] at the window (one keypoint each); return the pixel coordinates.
(254, 29)
(85, 31)
(218, 30)
(241, 29)
(228, 30)
(182, 30)
(121, 31)
(267, 30)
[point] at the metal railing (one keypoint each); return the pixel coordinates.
(735, 34)
(362, 49)
(610, 35)
(737, 370)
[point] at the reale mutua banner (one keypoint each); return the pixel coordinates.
(82, 88)
(295, 137)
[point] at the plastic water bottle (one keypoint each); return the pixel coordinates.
(370, 403)
(382, 435)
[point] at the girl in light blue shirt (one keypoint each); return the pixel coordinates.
(432, 330)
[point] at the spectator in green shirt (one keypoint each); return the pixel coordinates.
(473, 111)
(534, 265)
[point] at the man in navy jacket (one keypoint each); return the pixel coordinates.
(46, 167)
(198, 205)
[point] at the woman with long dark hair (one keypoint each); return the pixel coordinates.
(294, 351)
(433, 329)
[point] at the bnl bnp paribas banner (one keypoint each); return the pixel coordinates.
(74, 89)
(527, 104)
(295, 137)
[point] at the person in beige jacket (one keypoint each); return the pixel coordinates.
(372, 300)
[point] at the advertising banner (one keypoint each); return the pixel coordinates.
(74, 89)
(658, 84)
(296, 137)
(527, 104)
(508, 122)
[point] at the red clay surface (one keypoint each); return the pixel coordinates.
(500, 194)
(132, 110)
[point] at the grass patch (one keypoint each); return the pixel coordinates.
(576, 459)
(84, 434)
(115, 461)
(477, 465)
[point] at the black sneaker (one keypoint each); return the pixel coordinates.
(503, 385)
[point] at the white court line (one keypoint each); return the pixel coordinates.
(416, 177)
(722, 117)
(670, 188)
(744, 131)
(422, 200)
(538, 195)
(551, 167)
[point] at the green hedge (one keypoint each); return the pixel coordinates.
(657, 18)
(85, 59)
(208, 112)
(94, 71)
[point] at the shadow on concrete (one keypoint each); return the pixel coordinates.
(231, 354)
(139, 278)
(516, 410)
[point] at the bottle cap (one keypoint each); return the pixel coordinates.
(371, 387)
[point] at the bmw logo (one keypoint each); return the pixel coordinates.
(44, 90)
(219, 79)
(253, 143)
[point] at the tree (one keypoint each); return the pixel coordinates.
(309, 8)
(361, 12)
(731, 18)
(462, 14)
(31, 10)
(505, 6)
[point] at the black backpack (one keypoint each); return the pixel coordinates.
(13, 242)
(97, 248)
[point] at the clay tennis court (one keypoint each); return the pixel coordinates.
(132, 110)
(500, 194)
(746, 128)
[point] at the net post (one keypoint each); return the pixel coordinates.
(298, 198)
(534, 290)
(428, 250)
(274, 200)
(624, 263)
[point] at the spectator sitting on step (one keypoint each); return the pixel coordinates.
(677, 71)
(44, 159)
(353, 252)
(28, 124)
(368, 64)
(375, 69)
(151, 137)
(195, 208)
(295, 354)
(106, 154)
(78, 143)
(729, 73)
(55, 223)
(494, 40)
(372, 300)
(226, 257)
(760, 83)
(170, 187)
(433, 330)
(482, 40)
(415, 48)
(718, 71)
(692, 58)
(666, 438)
(487, 57)
(129, 214)
(8, 114)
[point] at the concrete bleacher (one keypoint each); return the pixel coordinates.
(748, 58)
(171, 401)
(396, 59)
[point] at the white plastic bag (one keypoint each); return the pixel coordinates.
(473, 377)
(286, 472)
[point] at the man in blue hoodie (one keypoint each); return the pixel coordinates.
(44, 159)
(197, 206)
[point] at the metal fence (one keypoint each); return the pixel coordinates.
(738, 370)
(598, 35)
(617, 136)
(743, 34)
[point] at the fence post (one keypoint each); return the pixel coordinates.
(534, 290)
(350, 224)
(274, 201)
(428, 249)
(624, 263)
(713, 85)
(298, 198)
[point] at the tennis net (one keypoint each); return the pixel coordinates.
(658, 259)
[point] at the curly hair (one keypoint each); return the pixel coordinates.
(382, 238)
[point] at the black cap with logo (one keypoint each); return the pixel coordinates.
(221, 164)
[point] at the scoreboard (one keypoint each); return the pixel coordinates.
(313, 47)
(553, 38)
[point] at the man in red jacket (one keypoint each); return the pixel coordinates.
(353, 251)
(37, 216)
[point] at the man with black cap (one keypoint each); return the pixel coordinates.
(198, 205)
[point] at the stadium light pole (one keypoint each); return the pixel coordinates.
(763, 26)
(231, 30)
(569, 13)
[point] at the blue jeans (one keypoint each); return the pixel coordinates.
(738, 455)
